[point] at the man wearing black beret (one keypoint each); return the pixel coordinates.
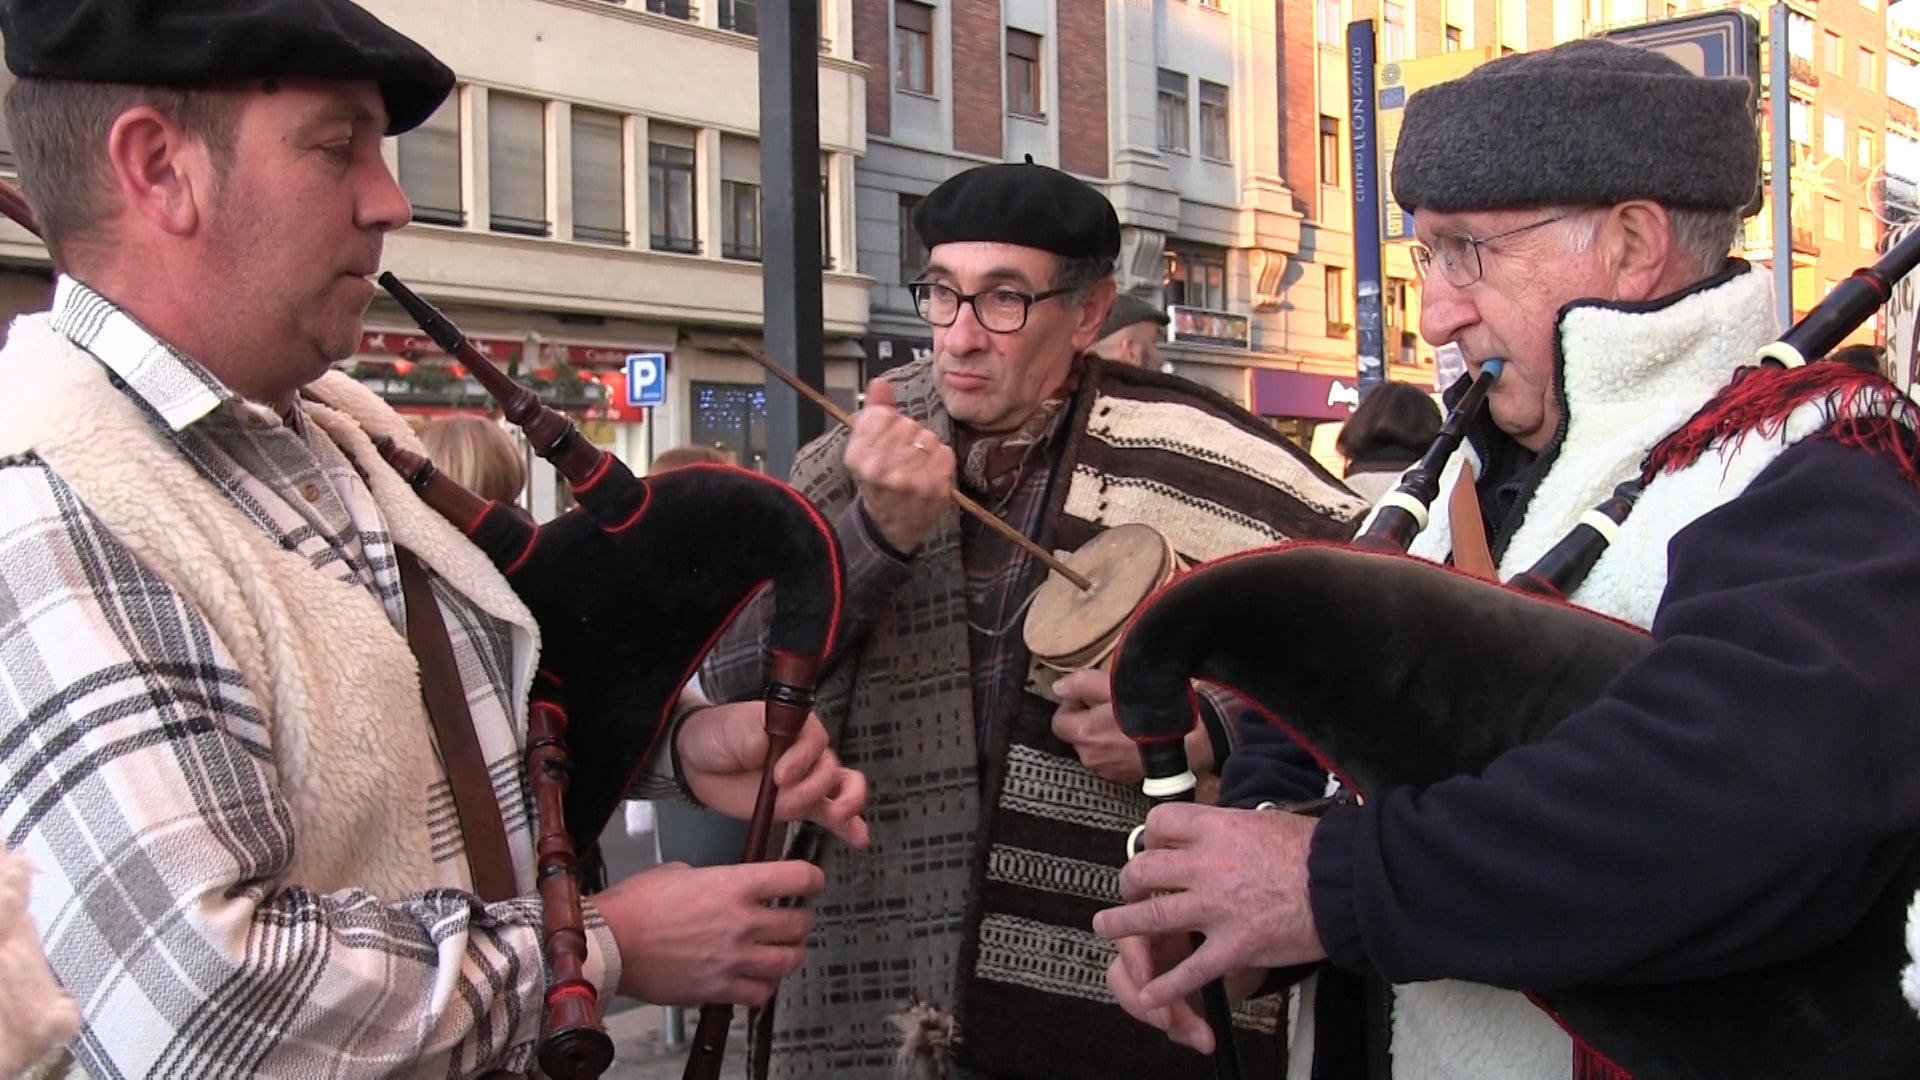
(213, 743)
(1720, 824)
(1000, 814)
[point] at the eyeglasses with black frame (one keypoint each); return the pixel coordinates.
(1459, 256)
(999, 311)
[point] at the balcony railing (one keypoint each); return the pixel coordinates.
(1803, 241)
(1800, 70)
(1900, 112)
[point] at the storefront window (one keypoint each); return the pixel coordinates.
(732, 417)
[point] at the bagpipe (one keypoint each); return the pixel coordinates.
(1376, 686)
(630, 590)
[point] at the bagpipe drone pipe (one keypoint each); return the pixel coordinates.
(1383, 686)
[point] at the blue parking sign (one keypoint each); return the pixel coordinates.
(646, 379)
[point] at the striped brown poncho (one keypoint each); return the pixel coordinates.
(963, 934)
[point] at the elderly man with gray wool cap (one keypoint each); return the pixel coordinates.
(1740, 795)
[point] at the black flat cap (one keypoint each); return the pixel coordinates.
(1126, 310)
(194, 42)
(1027, 204)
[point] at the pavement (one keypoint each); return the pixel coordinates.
(640, 1051)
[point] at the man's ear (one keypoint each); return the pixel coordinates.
(159, 173)
(1092, 311)
(1640, 250)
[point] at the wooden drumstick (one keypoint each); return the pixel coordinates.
(960, 499)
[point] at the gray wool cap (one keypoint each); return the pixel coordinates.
(1590, 122)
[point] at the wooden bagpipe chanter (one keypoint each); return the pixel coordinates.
(1409, 673)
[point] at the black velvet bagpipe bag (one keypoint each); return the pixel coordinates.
(1408, 673)
(632, 587)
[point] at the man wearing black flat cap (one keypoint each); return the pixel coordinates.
(958, 945)
(1719, 823)
(1131, 333)
(213, 743)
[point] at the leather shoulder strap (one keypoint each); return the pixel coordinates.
(474, 801)
(1471, 551)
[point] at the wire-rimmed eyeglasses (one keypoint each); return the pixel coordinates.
(1459, 256)
(1001, 311)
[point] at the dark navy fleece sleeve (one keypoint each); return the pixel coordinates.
(1736, 799)
(1267, 765)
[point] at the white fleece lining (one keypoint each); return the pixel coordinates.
(334, 679)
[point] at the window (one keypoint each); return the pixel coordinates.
(1833, 135)
(1393, 32)
(739, 198)
(1195, 278)
(913, 47)
(913, 250)
(1330, 23)
(1337, 325)
(1830, 51)
(1903, 80)
(1023, 74)
(670, 199)
(679, 9)
(731, 417)
(1330, 151)
(826, 217)
(1215, 139)
(517, 164)
(1596, 12)
(599, 178)
(1454, 40)
(1830, 217)
(742, 16)
(1172, 118)
(1863, 149)
(1869, 70)
(429, 166)
(1800, 37)
(10, 161)
(1869, 229)
(1799, 122)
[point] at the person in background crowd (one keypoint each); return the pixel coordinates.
(477, 452)
(1738, 796)
(1130, 334)
(1393, 426)
(1864, 357)
(213, 741)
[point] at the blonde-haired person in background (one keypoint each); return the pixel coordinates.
(681, 456)
(478, 453)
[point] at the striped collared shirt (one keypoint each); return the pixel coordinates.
(166, 914)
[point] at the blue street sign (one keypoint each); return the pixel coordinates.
(646, 379)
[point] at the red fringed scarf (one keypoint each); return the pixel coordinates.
(1865, 410)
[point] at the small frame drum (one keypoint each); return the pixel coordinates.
(1067, 629)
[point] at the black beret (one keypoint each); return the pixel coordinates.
(1026, 204)
(1591, 122)
(194, 42)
